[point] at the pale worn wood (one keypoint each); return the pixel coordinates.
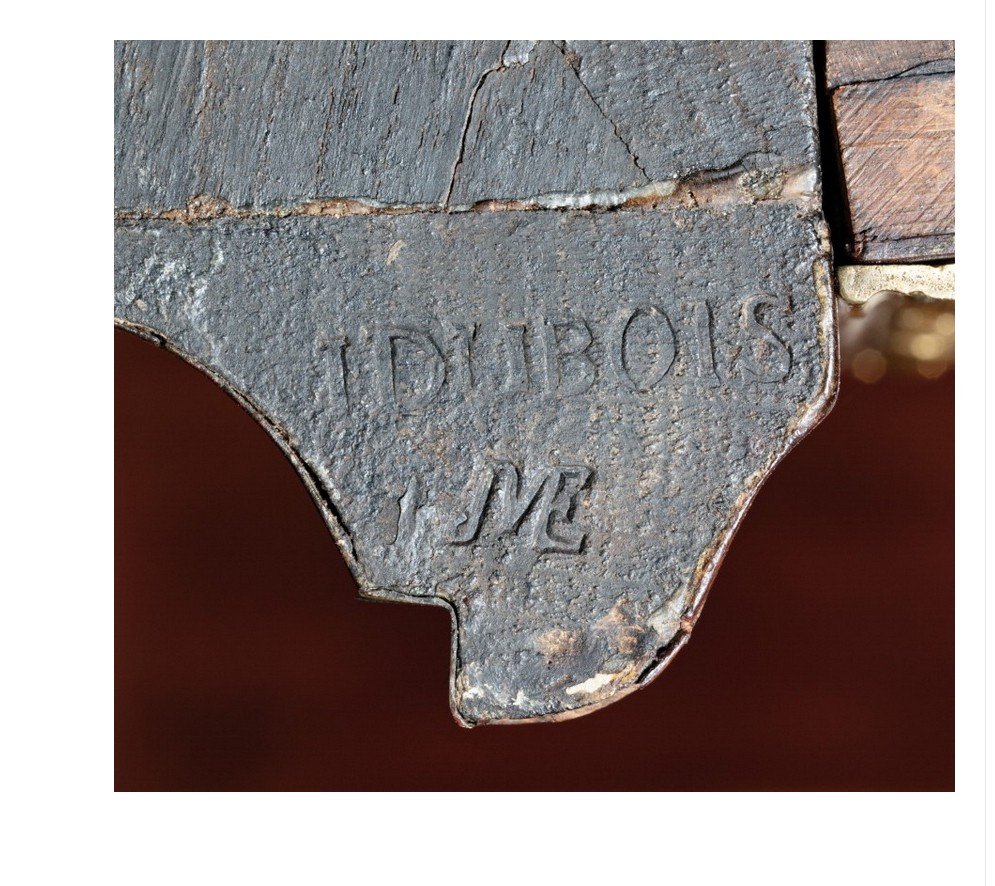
(858, 61)
(896, 140)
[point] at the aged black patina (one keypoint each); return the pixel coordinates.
(533, 321)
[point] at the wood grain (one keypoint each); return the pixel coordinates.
(267, 125)
(896, 140)
(858, 61)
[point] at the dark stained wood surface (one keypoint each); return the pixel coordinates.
(264, 124)
(490, 403)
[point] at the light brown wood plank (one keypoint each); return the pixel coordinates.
(896, 140)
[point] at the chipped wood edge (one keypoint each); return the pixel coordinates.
(809, 415)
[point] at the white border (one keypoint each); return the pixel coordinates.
(64, 823)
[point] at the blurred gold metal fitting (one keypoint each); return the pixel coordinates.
(896, 320)
(860, 283)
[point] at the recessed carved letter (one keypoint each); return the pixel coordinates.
(766, 357)
(414, 367)
(647, 347)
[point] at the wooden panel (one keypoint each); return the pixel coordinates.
(263, 125)
(896, 140)
(491, 396)
(857, 61)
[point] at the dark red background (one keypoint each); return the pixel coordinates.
(244, 659)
